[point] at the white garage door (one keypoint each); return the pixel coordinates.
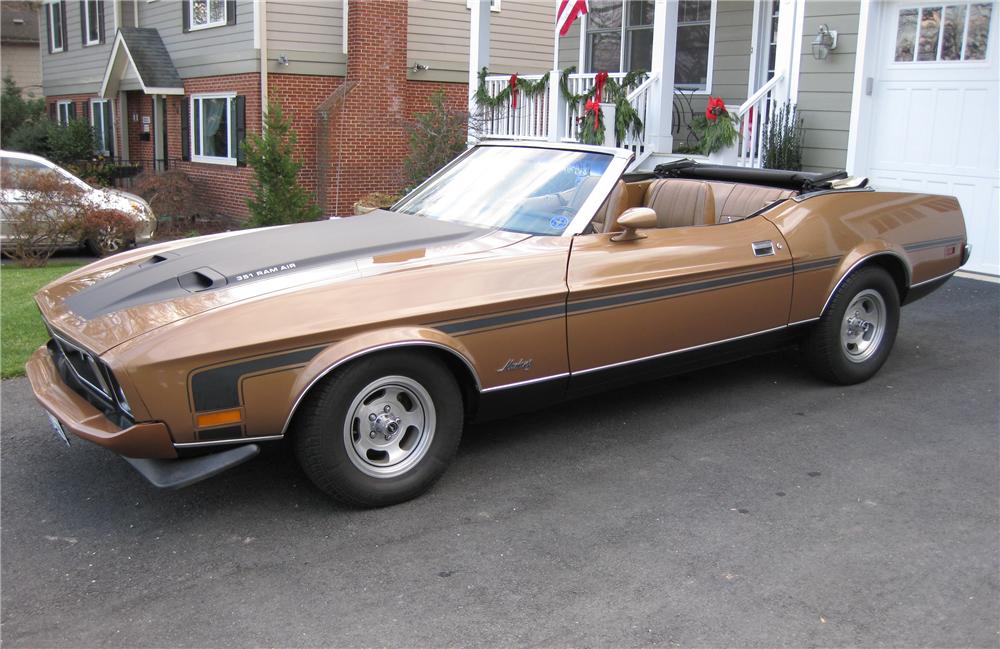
(935, 112)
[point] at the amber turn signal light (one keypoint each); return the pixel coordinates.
(219, 418)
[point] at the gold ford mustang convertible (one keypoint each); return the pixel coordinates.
(518, 275)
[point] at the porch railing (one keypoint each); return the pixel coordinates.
(755, 115)
(535, 118)
(529, 121)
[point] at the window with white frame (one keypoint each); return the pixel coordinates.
(206, 13)
(65, 111)
(947, 32)
(620, 39)
(91, 22)
(213, 128)
(102, 120)
(56, 27)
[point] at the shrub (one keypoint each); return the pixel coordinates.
(783, 139)
(436, 138)
(32, 137)
(278, 197)
(171, 194)
(18, 111)
(105, 230)
(72, 143)
(51, 215)
(375, 201)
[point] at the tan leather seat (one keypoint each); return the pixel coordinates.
(680, 203)
(735, 201)
(616, 203)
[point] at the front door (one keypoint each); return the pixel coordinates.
(676, 290)
(934, 112)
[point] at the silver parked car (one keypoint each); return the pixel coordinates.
(14, 165)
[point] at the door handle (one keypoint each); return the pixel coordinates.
(762, 248)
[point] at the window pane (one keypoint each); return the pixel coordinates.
(694, 11)
(196, 120)
(93, 22)
(639, 49)
(605, 52)
(930, 29)
(979, 31)
(55, 13)
(215, 127)
(951, 35)
(692, 56)
(640, 12)
(605, 14)
(218, 11)
(199, 12)
(906, 34)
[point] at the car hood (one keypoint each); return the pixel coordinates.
(109, 302)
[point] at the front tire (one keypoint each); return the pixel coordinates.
(854, 336)
(381, 430)
(105, 243)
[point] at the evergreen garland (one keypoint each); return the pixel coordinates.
(502, 98)
(615, 92)
(592, 120)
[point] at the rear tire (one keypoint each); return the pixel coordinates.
(854, 336)
(381, 430)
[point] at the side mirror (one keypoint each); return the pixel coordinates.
(634, 219)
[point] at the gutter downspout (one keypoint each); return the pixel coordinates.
(262, 35)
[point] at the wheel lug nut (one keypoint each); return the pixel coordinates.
(387, 408)
(372, 434)
(372, 417)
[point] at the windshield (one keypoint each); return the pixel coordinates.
(519, 189)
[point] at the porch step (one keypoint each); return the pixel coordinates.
(658, 158)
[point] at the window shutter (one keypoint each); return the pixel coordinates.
(72, 110)
(186, 15)
(83, 22)
(109, 138)
(86, 111)
(52, 112)
(100, 19)
(241, 130)
(230, 12)
(185, 129)
(62, 25)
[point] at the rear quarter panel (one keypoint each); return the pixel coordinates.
(829, 234)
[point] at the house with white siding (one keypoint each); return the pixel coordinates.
(901, 91)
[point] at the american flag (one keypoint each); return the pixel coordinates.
(568, 11)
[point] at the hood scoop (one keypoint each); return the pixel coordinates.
(259, 254)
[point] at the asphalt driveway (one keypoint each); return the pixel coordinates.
(749, 505)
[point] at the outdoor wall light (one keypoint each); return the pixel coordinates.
(825, 41)
(282, 59)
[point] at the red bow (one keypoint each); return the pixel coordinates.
(513, 91)
(594, 107)
(599, 81)
(715, 108)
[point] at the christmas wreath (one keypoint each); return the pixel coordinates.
(606, 90)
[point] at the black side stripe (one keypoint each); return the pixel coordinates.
(216, 434)
(502, 319)
(817, 264)
(218, 388)
(679, 289)
(934, 243)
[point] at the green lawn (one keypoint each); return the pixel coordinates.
(21, 330)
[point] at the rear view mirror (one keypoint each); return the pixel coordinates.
(634, 219)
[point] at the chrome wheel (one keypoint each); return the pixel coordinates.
(389, 426)
(863, 326)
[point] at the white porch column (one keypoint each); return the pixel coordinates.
(659, 122)
(788, 53)
(479, 50)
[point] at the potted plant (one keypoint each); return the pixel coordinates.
(716, 131)
(375, 201)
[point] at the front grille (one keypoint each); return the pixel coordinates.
(89, 377)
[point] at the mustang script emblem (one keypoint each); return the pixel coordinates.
(520, 364)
